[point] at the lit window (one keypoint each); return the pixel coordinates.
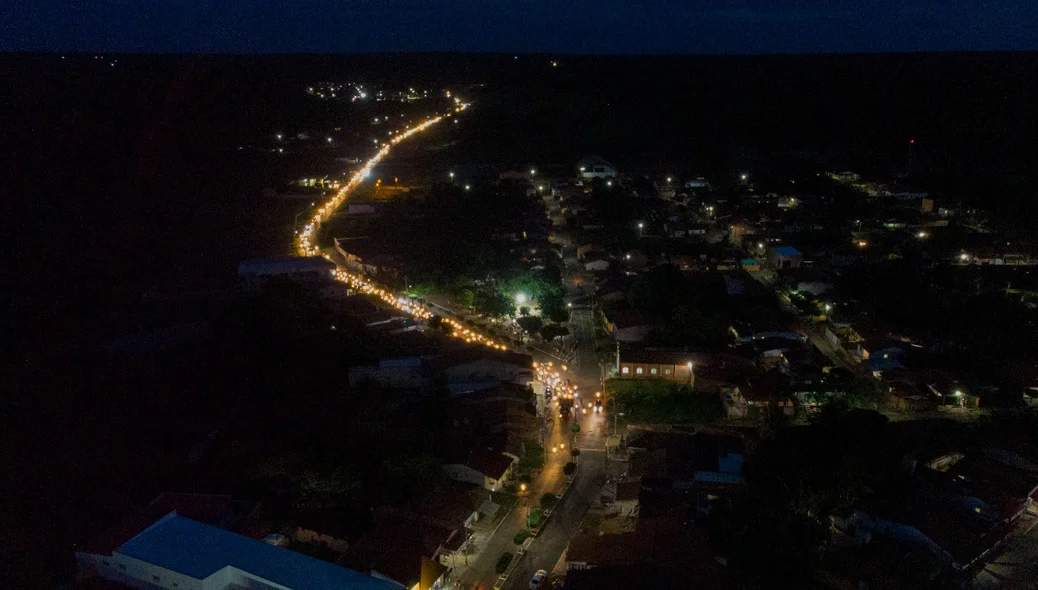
(638, 370)
(625, 370)
(666, 371)
(653, 371)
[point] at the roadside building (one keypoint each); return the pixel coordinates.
(305, 269)
(785, 257)
(657, 364)
(477, 367)
(596, 167)
(394, 373)
(483, 467)
(177, 552)
(401, 551)
(628, 325)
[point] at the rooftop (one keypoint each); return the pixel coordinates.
(198, 550)
(491, 464)
(285, 265)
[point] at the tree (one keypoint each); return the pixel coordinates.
(530, 324)
(491, 302)
(548, 501)
(502, 562)
(550, 332)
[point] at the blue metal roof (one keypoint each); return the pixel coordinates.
(199, 550)
(786, 251)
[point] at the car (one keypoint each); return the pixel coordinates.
(538, 579)
(598, 404)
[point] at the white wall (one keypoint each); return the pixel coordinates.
(136, 573)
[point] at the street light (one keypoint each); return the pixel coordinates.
(689, 365)
(520, 298)
(609, 183)
(669, 179)
(468, 187)
(742, 177)
(533, 172)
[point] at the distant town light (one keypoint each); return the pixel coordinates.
(468, 187)
(609, 183)
(279, 136)
(921, 235)
(669, 179)
(451, 174)
(742, 177)
(532, 172)
(329, 139)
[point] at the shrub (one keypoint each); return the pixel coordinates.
(548, 501)
(569, 468)
(521, 536)
(502, 562)
(536, 518)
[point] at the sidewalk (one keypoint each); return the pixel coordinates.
(481, 568)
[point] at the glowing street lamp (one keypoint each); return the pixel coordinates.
(520, 298)
(468, 187)
(743, 177)
(669, 179)
(533, 172)
(279, 136)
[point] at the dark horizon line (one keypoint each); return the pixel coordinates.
(81, 52)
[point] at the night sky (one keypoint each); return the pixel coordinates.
(551, 26)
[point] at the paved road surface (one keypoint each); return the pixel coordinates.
(547, 548)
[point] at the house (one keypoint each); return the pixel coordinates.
(624, 495)
(330, 530)
(703, 458)
(667, 545)
(472, 368)
(484, 467)
(785, 257)
(498, 416)
(403, 551)
(657, 364)
(596, 167)
(394, 373)
(177, 552)
(596, 262)
(628, 325)
(304, 269)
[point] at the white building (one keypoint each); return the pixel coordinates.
(596, 167)
(178, 553)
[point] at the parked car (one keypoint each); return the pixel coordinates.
(538, 579)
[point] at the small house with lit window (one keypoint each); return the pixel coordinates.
(657, 364)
